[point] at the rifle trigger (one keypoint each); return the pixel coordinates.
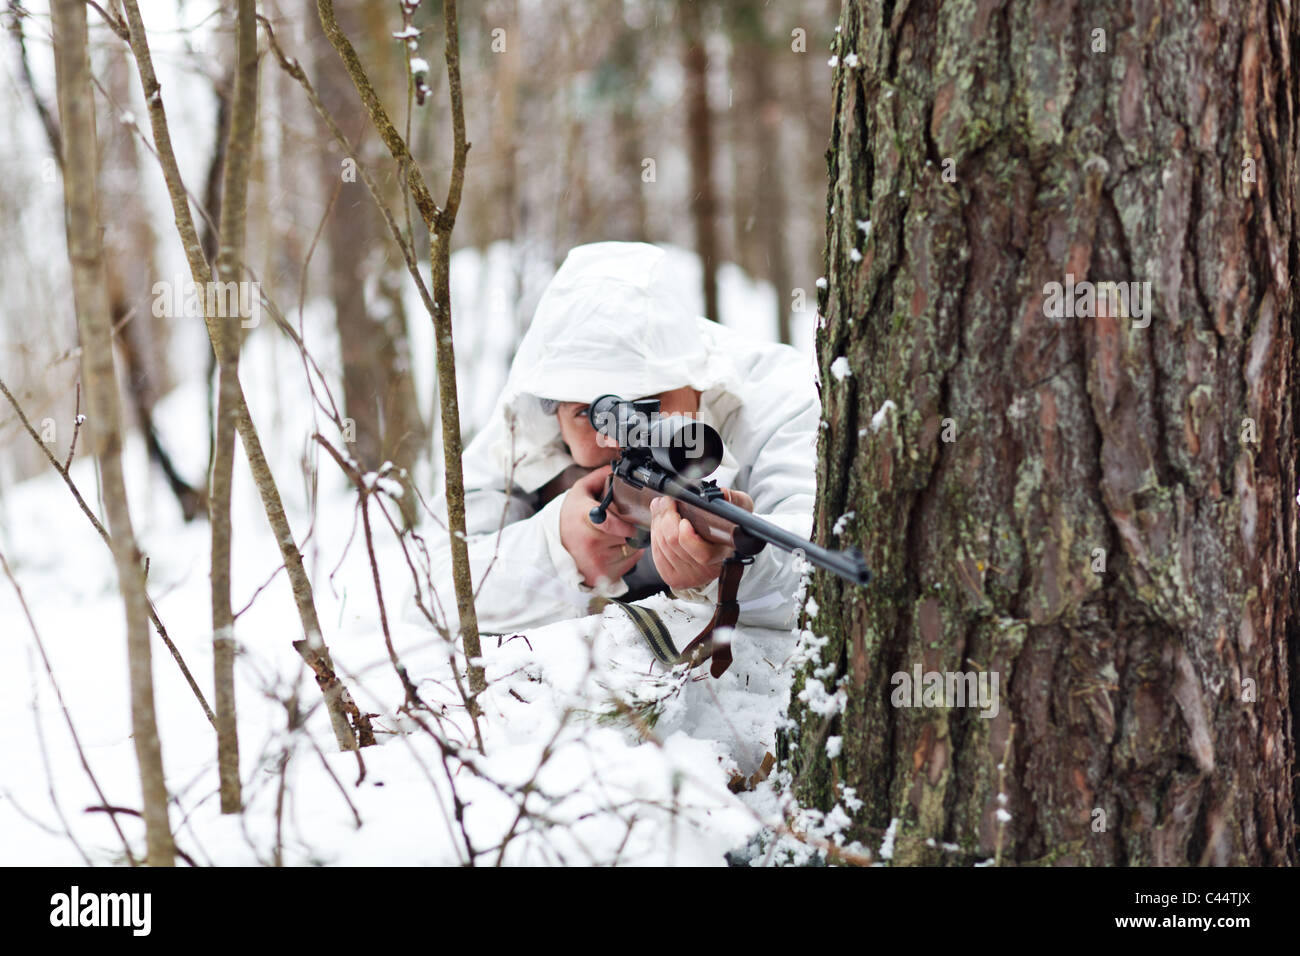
(597, 514)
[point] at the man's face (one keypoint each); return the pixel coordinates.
(590, 448)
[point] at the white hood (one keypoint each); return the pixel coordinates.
(612, 320)
(616, 320)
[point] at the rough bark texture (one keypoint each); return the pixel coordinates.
(1145, 713)
(104, 418)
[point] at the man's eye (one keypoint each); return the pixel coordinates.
(580, 412)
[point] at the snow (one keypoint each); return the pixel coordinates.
(833, 62)
(878, 419)
(842, 522)
(887, 845)
(840, 368)
(615, 795)
(419, 65)
(819, 700)
(851, 60)
(543, 713)
(408, 33)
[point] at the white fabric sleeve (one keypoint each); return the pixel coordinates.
(783, 484)
(522, 574)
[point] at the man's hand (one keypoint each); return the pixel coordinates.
(598, 549)
(682, 558)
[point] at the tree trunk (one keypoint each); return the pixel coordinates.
(770, 219)
(378, 390)
(699, 135)
(629, 211)
(349, 233)
(230, 268)
(448, 402)
(90, 294)
(1094, 504)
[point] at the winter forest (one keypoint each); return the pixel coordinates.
(649, 432)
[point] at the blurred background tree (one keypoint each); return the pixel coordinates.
(583, 129)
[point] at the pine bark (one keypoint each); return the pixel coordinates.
(104, 418)
(1146, 713)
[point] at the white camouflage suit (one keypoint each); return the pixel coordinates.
(613, 321)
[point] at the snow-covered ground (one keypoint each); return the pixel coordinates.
(595, 787)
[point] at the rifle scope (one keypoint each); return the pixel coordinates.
(681, 445)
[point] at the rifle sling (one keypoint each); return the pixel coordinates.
(702, 648)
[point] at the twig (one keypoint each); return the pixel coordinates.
(364, 492)
(265, 584)
(338, 783)
(76, 740)
(295, 70)
(49, 773)
(351, 728)
(429, 212)
(114, 23)
(103, 533)
(77, 419)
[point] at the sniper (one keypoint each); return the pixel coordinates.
(614, 321)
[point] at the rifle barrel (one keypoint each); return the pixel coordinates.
(847, 564)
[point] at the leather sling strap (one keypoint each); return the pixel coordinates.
(724, 615)
(703, 647)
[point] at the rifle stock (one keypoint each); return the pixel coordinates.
(633, 505)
